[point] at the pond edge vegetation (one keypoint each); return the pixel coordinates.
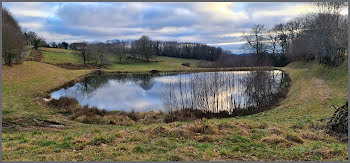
(93, 115)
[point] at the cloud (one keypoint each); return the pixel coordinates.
(214, 23)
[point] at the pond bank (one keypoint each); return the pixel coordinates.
(150, 89)
(292, 131)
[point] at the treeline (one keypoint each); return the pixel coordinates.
(321, 36)
(141, 50)
(187, 50)
(12, 39)
(98, 52)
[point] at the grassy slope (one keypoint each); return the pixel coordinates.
(55, 55)
(22, 82)
(59, 56)
(163, 64)
(272, 135)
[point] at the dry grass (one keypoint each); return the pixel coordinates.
(310, 136)
(274, 140)
(262, 136)
(295, 138)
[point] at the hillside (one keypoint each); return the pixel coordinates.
(292, 131)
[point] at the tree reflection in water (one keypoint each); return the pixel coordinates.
(235, 92)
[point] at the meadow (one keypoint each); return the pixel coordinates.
(292, 131)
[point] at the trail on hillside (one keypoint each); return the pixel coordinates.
(322, 90)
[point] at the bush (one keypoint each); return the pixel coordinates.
(187, 64)
(338, 123)
(63, 103)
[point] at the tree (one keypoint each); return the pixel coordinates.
(122, 50)
(157, 47)
(327, 21)
(134, 49)
(145, 47)
(83, 48)
(42, 43)
(53, 45)
(65, 45)
(13, 39)
(273, 39)
(282, 37)
(31, 36)
(36, 43)
(256, 41)
(100, 50)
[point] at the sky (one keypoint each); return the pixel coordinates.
(213, 23)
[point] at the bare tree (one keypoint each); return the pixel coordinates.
(83, 47)
(12, 38)
(118, 49)
(256, 41)
(145, 47)
(273, 39)
(328, 23)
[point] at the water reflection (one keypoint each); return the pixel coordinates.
(213, 91)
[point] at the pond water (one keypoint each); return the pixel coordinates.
(212, 91)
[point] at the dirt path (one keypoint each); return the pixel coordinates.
(23, 53)
(322, 90)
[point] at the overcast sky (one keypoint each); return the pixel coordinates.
(217, 24)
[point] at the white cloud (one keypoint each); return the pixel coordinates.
(33, 9)
(228, 43)
(214, 23)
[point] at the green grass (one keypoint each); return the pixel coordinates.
(26, 55)
(59, 56)
(271, 135)
(147, 66)
(22, 83)
(160, 63)
(193, 62)
(58, 50)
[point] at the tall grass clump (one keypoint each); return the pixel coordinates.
(223, 94)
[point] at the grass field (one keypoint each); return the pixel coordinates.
(160, 63)
(56, 56)
(58, 50)
(292, 131)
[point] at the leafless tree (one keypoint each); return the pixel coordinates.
(273, 40)
(145, 47)
(256, 41)
(13, 39)
(322, 35)
(282, 36)
(118, 49)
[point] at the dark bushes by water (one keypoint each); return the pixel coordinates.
(71, 107)
(63, 103)
(200, 97)
(212, 95)
(93, 115)
(338, 124)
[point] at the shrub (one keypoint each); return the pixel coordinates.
(187, 64)
(63, 103)
(338, 123)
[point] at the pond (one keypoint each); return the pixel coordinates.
(206, 91)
